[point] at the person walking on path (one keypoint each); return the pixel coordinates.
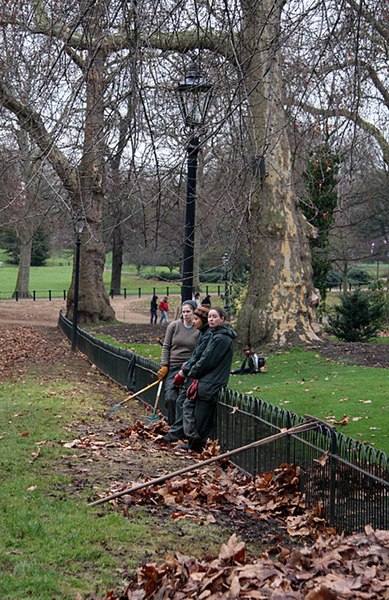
(178, 345)
(154, 310)
(177, 430)
(164, 310)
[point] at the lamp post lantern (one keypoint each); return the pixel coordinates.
(79, 227)
(194, 95)
(226, 262)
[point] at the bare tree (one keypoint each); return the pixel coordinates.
(86, 48)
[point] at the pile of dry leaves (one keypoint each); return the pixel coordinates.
(334, 567)
(204, 492)
(352, 567)
(22, 348)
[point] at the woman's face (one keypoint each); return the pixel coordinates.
(214, 319)
(187, 314)
(197, 322)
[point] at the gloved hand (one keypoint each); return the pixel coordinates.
(163, 371)
(179, 379)
(193, 390)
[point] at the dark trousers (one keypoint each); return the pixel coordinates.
(204, 418)
(171, 394)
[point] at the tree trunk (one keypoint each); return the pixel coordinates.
(277, 309)
(22, 286)
(117, 259)
(93, 302)
(93, 305)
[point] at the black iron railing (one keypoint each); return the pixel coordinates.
(347, 480)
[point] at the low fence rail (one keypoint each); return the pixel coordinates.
(347, 481)
(137, 292)
(140, 292)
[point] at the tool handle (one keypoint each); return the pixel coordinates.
(134, 395)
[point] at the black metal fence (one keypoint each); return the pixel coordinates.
(137, 292)
(347, 481)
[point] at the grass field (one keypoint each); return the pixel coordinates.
(52, 545)
(56, 276)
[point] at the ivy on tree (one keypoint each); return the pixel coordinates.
(320, 180)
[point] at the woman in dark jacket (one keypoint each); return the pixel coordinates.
(176, 431)
(211, 370)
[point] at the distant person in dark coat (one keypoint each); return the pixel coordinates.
(206, 301)
(154, 309)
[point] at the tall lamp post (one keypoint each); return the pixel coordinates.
(194, 95)
(226, 262)
(79, 227)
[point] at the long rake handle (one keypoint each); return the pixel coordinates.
(148, 387)
(277, 436)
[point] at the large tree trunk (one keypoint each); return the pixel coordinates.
(22, 287)
(93, 303)
(277, 309)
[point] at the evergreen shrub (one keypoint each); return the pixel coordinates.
(358, 317)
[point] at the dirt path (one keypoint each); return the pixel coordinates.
(44, 313)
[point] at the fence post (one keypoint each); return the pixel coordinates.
(206, 290)
(153, 291)
(64, 294)
(167, 291)
(288, 426)
(16, 295)
(49, 294)
(139, 292)
(125, 293)
(218, 290)
(111, 293)
(34, 295)
(332, 464)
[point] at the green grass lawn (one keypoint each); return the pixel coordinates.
(56, 276)
(52, 544)
(306, 383)
(47, 537)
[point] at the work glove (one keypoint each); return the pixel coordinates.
(179, 379)
(163, 371)
(193, 390)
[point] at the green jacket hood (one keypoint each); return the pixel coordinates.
(225, 330)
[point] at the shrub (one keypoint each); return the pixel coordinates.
(168, 276)
(212, 277)
(334, 279)
(358, 276)
(359, 316)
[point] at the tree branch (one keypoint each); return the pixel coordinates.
(362, 123)
(31, 122)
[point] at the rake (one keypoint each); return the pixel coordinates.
(135, 394)
(154, 417)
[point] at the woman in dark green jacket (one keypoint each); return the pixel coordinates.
(211, 370)
(176, 431)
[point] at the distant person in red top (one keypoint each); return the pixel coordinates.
(164, 309)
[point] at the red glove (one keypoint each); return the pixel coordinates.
(179, 379)
(193, 390)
